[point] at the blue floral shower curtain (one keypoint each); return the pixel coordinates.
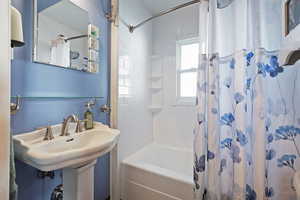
(246, 139)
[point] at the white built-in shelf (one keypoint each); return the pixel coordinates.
(155, 109)
(156, 77)
(155, 56)
(155, 89)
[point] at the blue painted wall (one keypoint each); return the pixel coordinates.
(43, 4)
(32, 79)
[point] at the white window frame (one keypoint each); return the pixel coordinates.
(184, 101)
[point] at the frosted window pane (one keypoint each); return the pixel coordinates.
(188, 84)
(124, 77)
(189, 56)
(123, 91)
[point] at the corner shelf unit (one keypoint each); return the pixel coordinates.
(155, 109)
(156, 77)
(156, 84)
(155, 89)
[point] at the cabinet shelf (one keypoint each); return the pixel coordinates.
(155, 109)
(155, 89)
(155, 77)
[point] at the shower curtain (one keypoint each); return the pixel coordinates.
(246, 143)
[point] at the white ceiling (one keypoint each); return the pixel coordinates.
(155, 6)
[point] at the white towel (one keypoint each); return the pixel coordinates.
(60, 52)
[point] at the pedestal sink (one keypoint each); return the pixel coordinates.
(75, 154)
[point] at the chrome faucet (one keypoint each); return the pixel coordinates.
(65, 126)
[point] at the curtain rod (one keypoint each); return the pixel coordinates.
(76, 37)
(132, 27)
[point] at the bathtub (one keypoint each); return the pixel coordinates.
(158, 172)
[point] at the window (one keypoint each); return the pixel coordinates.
(124, 77)
(187, 60)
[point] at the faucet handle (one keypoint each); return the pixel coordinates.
(49, 134)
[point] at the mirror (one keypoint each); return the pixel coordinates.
(64, 37)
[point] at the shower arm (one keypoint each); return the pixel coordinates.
(132, 27)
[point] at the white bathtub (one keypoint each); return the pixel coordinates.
(158, 173)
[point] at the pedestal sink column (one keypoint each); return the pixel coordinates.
(79, 182)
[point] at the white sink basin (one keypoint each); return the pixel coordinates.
(75, 150)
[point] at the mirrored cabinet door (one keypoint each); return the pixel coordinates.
(64, 36)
